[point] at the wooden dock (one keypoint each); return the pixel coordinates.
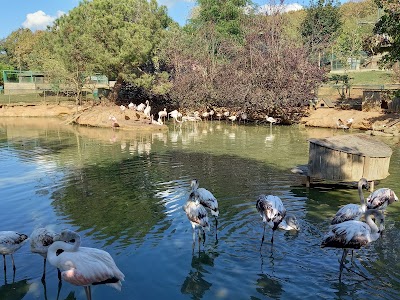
(347, 158)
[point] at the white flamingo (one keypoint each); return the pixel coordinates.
(206, 199)
(162, 114)
(40, 240)
(352, 211)
(243, 117)
(147, 109)
(131, 106)
(175, 115)
(232, 118)
(341, 124)
(10, 242)
(271, 120)
(211, 114)
(141, 107)
(353, 234)
(197, 215)
(381, 198)
(83, 266)
(273, 213)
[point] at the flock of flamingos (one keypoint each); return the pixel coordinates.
(83, 266)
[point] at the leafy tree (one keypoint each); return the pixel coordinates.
(320, 26)
(18, 45)
(226, 16)
(388, 27)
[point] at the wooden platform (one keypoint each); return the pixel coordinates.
(347, 158)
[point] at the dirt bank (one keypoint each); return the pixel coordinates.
(379, 122)
(99, 116)
(96, 116)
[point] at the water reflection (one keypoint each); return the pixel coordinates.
(124, 191)
(195, 283)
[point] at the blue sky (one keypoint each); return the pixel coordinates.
(36, 14)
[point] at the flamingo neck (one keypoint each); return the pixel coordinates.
(375, 231)
(360, 193)
(284, 225)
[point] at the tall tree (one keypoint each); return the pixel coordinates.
(388, 27)
(320, 26)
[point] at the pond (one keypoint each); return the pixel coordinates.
(124, 192)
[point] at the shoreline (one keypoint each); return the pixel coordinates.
(377, 122)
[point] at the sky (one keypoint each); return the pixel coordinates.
(37, 14)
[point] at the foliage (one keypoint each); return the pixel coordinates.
(389, 27)
(320, 26)
(18, 45)
(226, 15)
(269, 73)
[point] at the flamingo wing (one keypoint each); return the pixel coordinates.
(381, 198)
(349, 234)
(90, 266)
(196, 213)
(207, 199)
(347, 213)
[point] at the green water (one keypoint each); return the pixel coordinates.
(124, 192)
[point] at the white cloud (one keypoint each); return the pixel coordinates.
(268, 9)
(39, 20)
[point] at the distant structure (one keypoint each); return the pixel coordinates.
(347, 158)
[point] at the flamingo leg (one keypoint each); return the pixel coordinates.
(216, 228)
(262, 240)
(88, 292)
(13, 263)
(342, 262)
(272, 238)
(204, 235)
(4, 260)
(44, 270)
(59, 274)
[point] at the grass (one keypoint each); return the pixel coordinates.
(370, 77)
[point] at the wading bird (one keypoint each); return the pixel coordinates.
(206, 198)
(381, 198)
(352, 211)
(83, 266)
(11, 241)
(273, 213)
(40, 240)
(197, 215)
(270, 120)
(353, 234)
(162, 114)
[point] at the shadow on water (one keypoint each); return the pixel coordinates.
(14, 291)
(268, 286)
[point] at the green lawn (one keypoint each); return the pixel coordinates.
(369, 77)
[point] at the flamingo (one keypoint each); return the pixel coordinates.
(197, 215)
(270, 120)
(243, 117)
(205, 115)
(206, 199)
(162, 114)
(10, 242)
(353, 234)
(211, 114)
(273, 213)
(232, 118)
(147, 109)
(83, 266)
(131, 105)
(141, 107)
(381, 198)
(341, 124)
(113, 121)
(40, 240)
(175, 115)
(352, 211)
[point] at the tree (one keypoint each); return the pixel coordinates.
(388, 27)
(18, 45)
(320, 27)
